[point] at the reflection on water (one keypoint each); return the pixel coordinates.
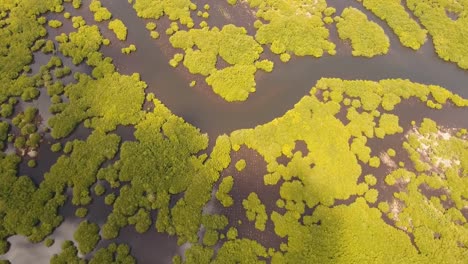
(24, 252)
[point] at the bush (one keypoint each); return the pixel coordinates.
(119, 29)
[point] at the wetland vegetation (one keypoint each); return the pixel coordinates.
(343, 176)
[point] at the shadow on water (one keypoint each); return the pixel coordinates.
(277, 92)
(250, 180)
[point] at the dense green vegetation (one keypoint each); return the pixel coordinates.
(114, 253)
(233, 45)
(367, 38)
(255, 211)
(119, 29)
(100, 13)
(331, 170)
(329, 207)
(293, 27)
(223, 191)
(448, 34)
(106, 102)
(408, 31)
(86, 236)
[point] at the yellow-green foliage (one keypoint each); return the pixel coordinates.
(388, 125)
(100, 13)
(264, 65)
(449, 36)
(255, 211)
(424, 216)
(119, 29)
(151, 26)
(76, 3)
(78, 21)
(293, 26)
(240, 164)
(108, 101)
(223, 191)
(368, 238)
(393, 12)
(430, 147)
(233, 45)
(81, 44)
(127, 50)
(233, 83)
(367, 38)
(173, 9)
(154, 34)
(167, 170)
(285, 57)
(55, 23)
(324, 133)
(240, 251)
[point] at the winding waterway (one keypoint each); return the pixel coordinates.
(277, 92)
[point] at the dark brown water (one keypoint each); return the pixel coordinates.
(277, 92)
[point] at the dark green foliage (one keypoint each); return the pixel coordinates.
(87, 236)
(118, 254)
(81, 212)
(49, 242)
(56, 147)
(109, 199)
(99, 189)
(32, 163)
(141, 220)
(4, 128)
(68, 255)
(156, 175)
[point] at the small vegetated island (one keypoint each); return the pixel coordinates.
(356, 179)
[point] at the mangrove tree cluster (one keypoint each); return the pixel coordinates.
(323, 157)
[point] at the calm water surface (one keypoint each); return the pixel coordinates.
(277, 92)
